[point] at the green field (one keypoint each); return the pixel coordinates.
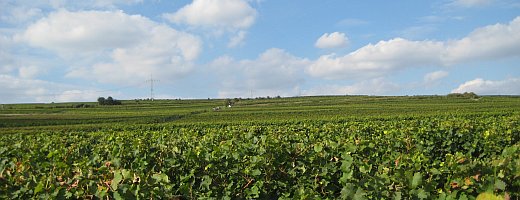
(332, 147)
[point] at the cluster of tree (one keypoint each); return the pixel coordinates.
(108, 101)
(231, 102)
(269, 97)
(469, 95)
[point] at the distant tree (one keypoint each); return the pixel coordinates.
(117, 102)
(469, 95)
(108, 101)
(101, 100)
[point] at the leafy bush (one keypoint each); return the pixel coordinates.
(469, 95)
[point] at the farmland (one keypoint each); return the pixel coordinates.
(349, 147)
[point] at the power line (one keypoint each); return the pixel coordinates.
(151, 80)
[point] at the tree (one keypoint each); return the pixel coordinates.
(101, 100)
(108, 101)
(469, 95)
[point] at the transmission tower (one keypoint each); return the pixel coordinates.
(151, 80)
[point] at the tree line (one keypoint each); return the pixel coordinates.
(108, 101)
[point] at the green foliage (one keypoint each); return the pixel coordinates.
(421, 158)
(488, 196)
(469, 95)
(397, 148)
(108, 101)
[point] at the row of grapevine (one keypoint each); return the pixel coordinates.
(418, 158)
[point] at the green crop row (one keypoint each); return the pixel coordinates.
(416, 158)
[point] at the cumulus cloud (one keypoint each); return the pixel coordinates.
(490, 87)
(226, 14)
(130, 47)
(274, 72)
(332, 40)
(217, 17)
(377, 86)
(487, 43)
(86, 31)
(377, 60)
(434, 76)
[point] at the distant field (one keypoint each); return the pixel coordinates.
(350, 147)
(173, 112)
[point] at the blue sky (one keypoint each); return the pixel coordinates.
(59, 51)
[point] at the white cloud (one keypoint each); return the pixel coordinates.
(86, 31)
(237, 40)
(226, 14)
(274, 72)
(332, 40)
(376, 86)
(217, 17)
(434, 76)
(487, 43)
(126, 48)
(377, 60)
(490, 87)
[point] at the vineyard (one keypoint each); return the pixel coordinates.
(353, 147)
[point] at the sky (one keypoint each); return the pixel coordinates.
(75, 51)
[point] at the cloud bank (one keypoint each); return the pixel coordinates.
(125, 47)
(226, 14)
(480, 86)
(385, 57)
